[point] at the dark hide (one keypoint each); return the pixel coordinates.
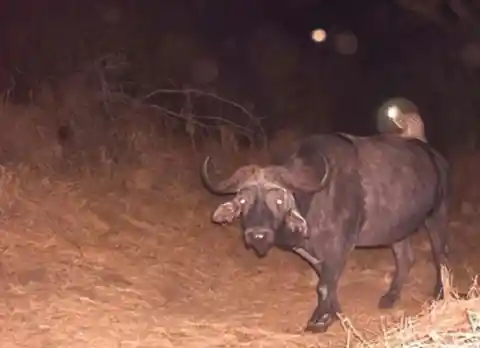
(343, 192)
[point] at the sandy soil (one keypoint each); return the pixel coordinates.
(89, 264)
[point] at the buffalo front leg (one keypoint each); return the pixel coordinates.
(327, 299)
(404, 258)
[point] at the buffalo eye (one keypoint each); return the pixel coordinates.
(242, 201)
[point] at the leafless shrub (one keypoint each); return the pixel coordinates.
(195, 124)
(87, 118)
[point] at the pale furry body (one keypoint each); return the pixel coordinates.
(410, 125)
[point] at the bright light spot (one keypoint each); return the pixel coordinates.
(393, 112)
(319, 35)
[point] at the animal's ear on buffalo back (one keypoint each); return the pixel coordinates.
(296, 223)
(226, 212)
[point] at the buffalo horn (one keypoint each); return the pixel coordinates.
(229, 185)
(305, 177)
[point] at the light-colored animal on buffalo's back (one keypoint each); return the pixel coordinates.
(399, 116)
(410, 124)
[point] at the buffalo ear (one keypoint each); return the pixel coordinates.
(226, 212)
(296, 223)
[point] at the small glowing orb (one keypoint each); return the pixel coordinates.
(319, 35)
(393, 112)
(346, 43)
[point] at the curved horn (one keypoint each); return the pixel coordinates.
(230, 185)
(305, 177)
(326, 174)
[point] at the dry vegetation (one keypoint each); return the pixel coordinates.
(452, 322)
(106, 233)
(106, 242)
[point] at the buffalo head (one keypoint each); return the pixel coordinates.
(264, 199)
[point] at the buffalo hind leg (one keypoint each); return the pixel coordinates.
(404, 258)
(437, 226)
(328, 305)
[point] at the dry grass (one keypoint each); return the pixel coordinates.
(107, 242)
(452, 322)
(102, 269)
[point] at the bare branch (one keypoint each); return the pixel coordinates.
(188, 92)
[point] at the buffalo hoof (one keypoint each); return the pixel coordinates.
(387, 301)
(321, 325)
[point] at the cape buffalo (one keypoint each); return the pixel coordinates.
(337, 192)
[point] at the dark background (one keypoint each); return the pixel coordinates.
(264, 56)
